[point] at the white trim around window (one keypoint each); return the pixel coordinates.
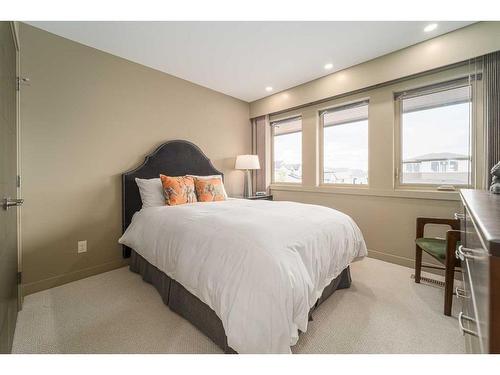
(383, 133)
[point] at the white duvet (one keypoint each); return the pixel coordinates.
(260, 265)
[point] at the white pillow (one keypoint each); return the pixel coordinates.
(151, 191)
(210, 177)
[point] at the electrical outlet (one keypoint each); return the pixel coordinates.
(82, 247)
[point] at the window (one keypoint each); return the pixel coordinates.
(287, 150)
(345, 144)
(435, 134)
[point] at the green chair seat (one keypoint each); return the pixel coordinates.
(434, 246)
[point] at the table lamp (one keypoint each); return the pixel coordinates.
(247, 163)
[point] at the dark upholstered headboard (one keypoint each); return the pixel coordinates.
(173, 158)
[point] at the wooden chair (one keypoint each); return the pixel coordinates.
(443, 250)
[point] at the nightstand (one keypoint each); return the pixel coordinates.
(267, 197)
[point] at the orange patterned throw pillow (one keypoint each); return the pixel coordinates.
(209, 190)
(178, 190)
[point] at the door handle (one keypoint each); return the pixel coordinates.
(8, 202)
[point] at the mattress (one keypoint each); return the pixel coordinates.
(259, 265)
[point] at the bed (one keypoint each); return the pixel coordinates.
(248, 274)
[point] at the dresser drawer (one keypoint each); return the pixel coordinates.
(464, 294)
(480, 237)
(473, 344)
(475, 266)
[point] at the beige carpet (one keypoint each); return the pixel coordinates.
(384, 311)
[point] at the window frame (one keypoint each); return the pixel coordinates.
(398, 131)
(271, 124)
(321, 145)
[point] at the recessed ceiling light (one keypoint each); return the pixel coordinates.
(328, 66)
(430, 27)
(269, 88)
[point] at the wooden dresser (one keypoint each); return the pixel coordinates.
(480, 258)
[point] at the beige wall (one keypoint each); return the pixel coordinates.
(475, 40)
(87, 117)
(385, 213)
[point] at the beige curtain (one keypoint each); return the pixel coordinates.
(260, 130)
(491, 76)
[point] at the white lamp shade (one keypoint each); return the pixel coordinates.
(247, 162)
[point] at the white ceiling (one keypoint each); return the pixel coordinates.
(242, 58)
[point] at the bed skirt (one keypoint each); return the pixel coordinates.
(179, 300)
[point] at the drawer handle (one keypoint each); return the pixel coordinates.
(463, 253)
(464, 330)
(459, 216)
(461, 293)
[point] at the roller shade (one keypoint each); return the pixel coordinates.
(438, 99)
(345, 114)
(287, 126)
(443, 94)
